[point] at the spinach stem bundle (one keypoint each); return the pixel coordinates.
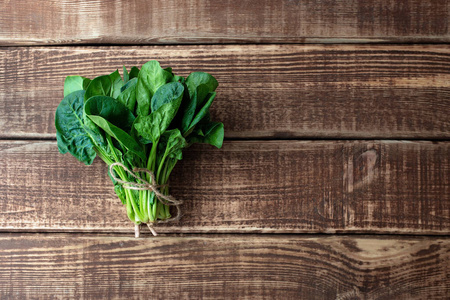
(143, 120)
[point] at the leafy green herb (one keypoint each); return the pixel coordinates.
(99, 86)
(143, 120)
(75, 83)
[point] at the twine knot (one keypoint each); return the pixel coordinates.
(147, 186)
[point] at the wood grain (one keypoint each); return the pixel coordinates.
(198, 21)
(225, 266)
(259, 186)
(266, 91)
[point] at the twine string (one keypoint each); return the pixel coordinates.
(147, 186)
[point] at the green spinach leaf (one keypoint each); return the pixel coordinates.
(151, 127)
(99, 86)
(134, 72)
(203, 111)
(169, 92)
(111, 110)
(201, 84)
(116, 84)
(128, 94)
(75, 83)
(150, 79)
(115, 119)
(126, 76)
(174, 142)
(71, 133)
(211, 133)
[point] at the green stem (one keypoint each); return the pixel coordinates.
(166, 188)
(139, 216)
(138, 213)
(143, 204)
(151, 163)
(152, 157)
(155, 208)
(102, 154)
(160, 167)
(168, 167)
(150, 206)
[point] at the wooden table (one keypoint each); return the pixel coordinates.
(333, 181)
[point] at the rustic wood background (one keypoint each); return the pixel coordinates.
(333, 182)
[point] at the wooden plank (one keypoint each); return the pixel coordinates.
(192, 21)
(271, 91)
(225, 266)
(259, 186)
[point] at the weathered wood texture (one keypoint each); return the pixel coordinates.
(345, 91)
(270, 186)
(193, 21)
(217, 267)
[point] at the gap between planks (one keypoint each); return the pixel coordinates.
(146, 234)
(311, 42)
(52, 137)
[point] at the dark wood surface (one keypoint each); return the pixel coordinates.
(254, 186)
(223, 266)
(324, 142)
(42, 22)
(266, 91)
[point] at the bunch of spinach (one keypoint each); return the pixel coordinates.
(143, 120)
